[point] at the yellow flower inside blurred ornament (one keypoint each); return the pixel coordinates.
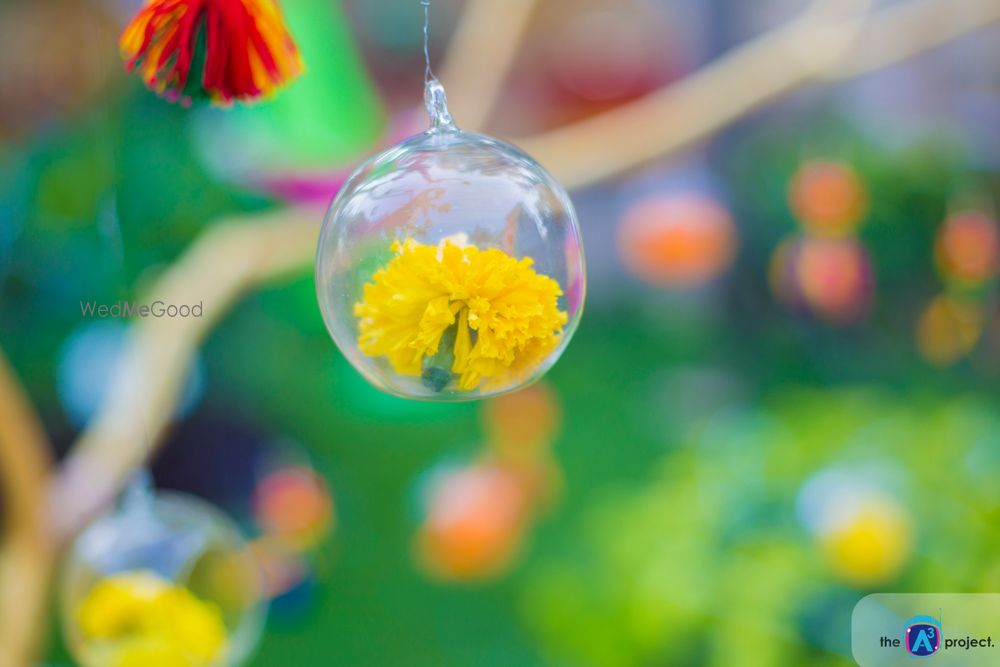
(140, 618)
(872, 544)
(166, 580)
(865, 534)
(450, 266)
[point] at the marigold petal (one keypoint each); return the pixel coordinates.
(505, 316)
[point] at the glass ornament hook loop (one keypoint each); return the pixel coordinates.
(437, 106)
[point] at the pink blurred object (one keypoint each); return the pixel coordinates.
(314, 187)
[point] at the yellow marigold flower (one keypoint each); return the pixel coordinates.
(483, 314)
(138, 619)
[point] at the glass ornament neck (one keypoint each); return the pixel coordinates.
(437, 106)
(138, 496)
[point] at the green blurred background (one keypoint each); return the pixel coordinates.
(782, 395)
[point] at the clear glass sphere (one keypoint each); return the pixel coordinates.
(166, 579)
(450, 266)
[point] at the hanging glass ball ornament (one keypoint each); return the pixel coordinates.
(165, 580)
(450, 266)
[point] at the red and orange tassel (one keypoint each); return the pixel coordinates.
(222, 50)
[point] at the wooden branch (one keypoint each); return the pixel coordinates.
(229, 259)
(746, 79)
(905, 30)
(26, 554)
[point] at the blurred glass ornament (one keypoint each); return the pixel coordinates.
(865, 534)
(949, 329)
(873, 545)
(450, 267)
(220, 50)
(293, 505)
(166, 579)
(832, 278)
(828, 198)
(967, 248)
(681, 240)
(474, 524)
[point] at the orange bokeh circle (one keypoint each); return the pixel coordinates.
(677, 240)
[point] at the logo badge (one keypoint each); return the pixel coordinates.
(922, 636)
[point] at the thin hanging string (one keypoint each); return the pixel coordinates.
(434, 97)
(428, 72)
